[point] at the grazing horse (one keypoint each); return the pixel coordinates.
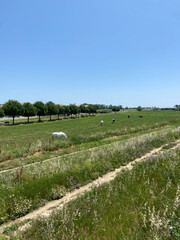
(113, 120)
(128, 116)
(58, 135)
(140, 116)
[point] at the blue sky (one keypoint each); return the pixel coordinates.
(96, 51)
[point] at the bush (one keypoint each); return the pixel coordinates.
(104, 111)
(139, 108)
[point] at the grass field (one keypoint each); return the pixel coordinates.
(24, 189)
(31, 187)
(138, 204)
(23, 140)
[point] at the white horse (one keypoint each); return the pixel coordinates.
(58, 135)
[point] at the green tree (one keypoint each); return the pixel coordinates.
(83, 109)
(61, 110)
(66, 111)
(73, 109)
(51, 109)
(13, 108)
(41, 109)
(139, 108)
(78, 110)
(177, 107)
(110, 106)
(1, 112)
(92, 109)
(115, 108)
(29, 110)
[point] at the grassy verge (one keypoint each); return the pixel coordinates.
(29, 188)
(139, 204)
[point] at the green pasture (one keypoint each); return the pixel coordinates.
(30, 187)
(26, 139)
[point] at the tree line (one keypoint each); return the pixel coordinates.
(13, 109)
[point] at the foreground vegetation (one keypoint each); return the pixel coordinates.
(139, 204)
(31, 187)
(26, 140)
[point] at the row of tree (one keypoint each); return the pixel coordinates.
(103, 106)
(13, 108)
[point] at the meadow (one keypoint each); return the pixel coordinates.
(30, 187)
(25, 140)
(141, 203)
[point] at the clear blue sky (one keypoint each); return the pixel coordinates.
(95, 51)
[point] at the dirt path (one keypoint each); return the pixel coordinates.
(50, 207)
(69, 154)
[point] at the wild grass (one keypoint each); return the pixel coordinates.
(26, 189)
(139, 204)
(42, 156)
(21, 141)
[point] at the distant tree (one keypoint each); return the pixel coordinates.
(110, 106)
(13, 108)
(51, 109)
(61, 110)
(83, 109)
(155, 108)
(92, 108)
(78, 110)
(1, 112)
(177, 107)
(115, 108)
(41, 109)
(97, 106)
(102, 106)
(73, 109)
(139, 108)
(29, 110)
(66, 111)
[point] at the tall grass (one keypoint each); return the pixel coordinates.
(26, 189)
(139, 204)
